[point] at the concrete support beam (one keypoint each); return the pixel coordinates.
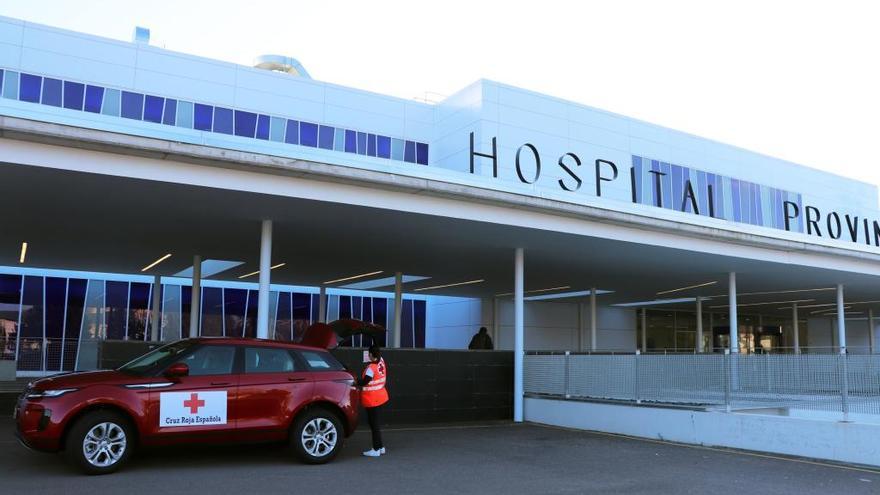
(699, 324)
(871, 336)
(593, 320)
(518, 331)
(794, 328)
(841, 320)
(731, 301)
(156, 310)
(196, 306)
(322, 305)
(265, 278)
(398, 309)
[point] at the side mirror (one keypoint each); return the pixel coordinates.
(177, 370)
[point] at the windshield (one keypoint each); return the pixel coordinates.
(157, 359)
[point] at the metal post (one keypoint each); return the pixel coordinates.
(844, 384)
(637, 392)
(195, 306)
(727, 378)
(518, 330)
(398, 309)
(734, 330)
(593, 329)
(265, 277)
(156, 311)
(699, 324)
(795, 329)
(871, 336)
(841, 321)
(567, 380)
(644, 329)
(322, 305)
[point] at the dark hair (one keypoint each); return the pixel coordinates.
(483, 330)
(375, 351)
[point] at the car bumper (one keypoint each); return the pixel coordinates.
(37, 426)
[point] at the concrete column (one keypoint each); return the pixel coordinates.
(871, 337)
(593, 329)
(196, 306)
(265, 277)
(795, 329)
(155, 312)
(518, 331)
(699, 324)
(731, 300)
(398, 309)
(841, 320)
(644, 329)
(322, 305)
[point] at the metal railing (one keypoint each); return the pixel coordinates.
(843, 383)
(41, 354)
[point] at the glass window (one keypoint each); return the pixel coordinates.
(30, 88)
(116, 316)
(222, 120)
(308, 134)
(383, 146)
(268, 360)
(1, 81)
(422, 153)
(184, 114)
(276, 129)
(212, 312)
(339, 140)
(362, 143)
(245, 123)
(263, 127)
(73, 95)
(138, 310)
(204, 115)
(30, 342)
(284, 320)
(168, 117)
(111, 102)
(210, 360)
(409, 152)
(302, 315)
(132, 105)
(234, 301)
(52, 92)
(325, 137)
(371, 144)
(292, 134)
(350, 141)
(10, 298)
(157, 359)
(172, 312)
(321, 361)
(94, 96)
(76, 299)
(10, 85)
(250, 321)
(153, 106)
(397, 149)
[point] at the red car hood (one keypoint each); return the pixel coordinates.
(84, 379)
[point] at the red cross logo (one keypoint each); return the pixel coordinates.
(194, 403)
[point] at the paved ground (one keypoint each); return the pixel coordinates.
(508, 459)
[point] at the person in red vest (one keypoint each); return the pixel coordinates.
(374, 396)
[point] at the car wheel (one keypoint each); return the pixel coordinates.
(316, 436)
(100, 442)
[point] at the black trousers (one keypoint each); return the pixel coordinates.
(373, 420)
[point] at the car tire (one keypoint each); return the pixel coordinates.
(317, 436)
(100, 442)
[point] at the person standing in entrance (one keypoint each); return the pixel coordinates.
(481, 340)
(374, 396)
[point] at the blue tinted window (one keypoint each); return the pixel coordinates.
(397, 149)
(169, 118)
(51, 92)
(351, 141)
(30, 88)
(308, 134)
(276, 129)
(222, 120)
(94, 95)
(383, 146)
(245, 123)
(73, 95)
(422, 153)
(203, 115)
(132, 105)
(153, 106)
(1, 81)
(362, 143)
(371, 144)
(325, 137)
(409, 152)
(263, 127)
(292, 134)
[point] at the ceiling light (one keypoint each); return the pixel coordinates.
(658, 302)
(792, 291)
(686, 288)
(352, 278)
(763, 303)
(279, 265)
(451, 285)
(562, 287)
(23, 252)
(151, 265)
(562, 295)
(832, 310)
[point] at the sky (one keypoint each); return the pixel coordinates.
(797, 80)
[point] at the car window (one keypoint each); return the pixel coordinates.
(268, 360)
(321, 361)
(210, 360)
(158, 358)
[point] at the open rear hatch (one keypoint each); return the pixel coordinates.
(330, 335)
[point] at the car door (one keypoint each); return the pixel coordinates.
(200, 404)
(273, 384)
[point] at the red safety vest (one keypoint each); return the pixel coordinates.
(373, 394)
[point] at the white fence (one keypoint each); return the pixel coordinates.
(821, 382)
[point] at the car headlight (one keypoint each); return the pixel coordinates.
(44, 394)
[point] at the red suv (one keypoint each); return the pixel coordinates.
(207, 390)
